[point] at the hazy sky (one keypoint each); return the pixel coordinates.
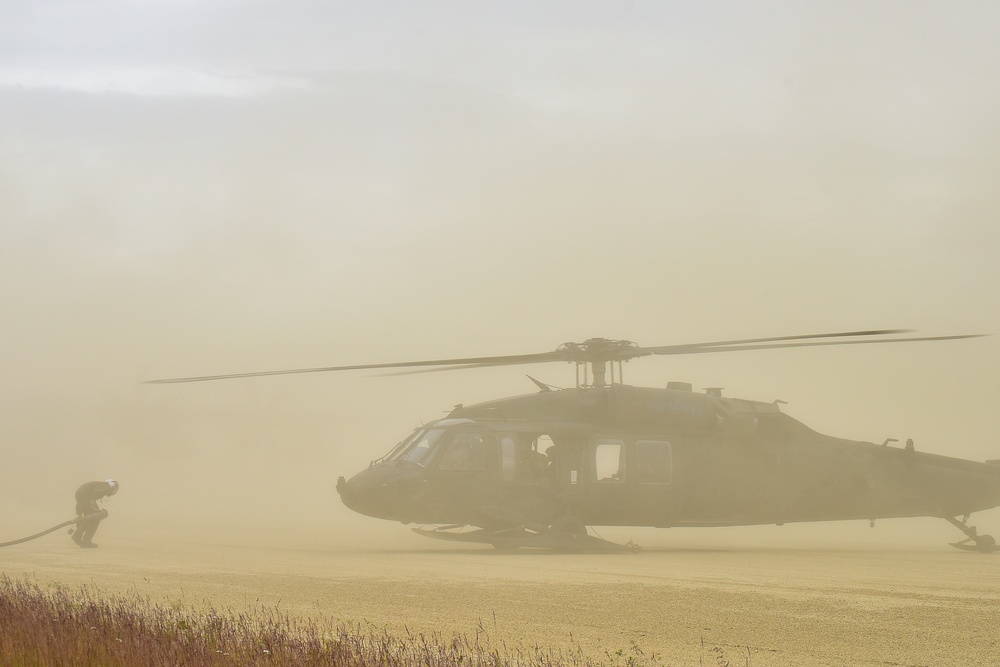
(198, 187)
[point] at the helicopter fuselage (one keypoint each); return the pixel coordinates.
(631, 456)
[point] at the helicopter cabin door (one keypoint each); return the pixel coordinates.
(539, 475)
(461, 476)
(657, 492)
(630, 482)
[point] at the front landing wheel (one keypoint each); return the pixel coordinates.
(986, 544)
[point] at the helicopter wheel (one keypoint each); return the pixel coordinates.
(505, 547)
(986, 544)
(568, 524)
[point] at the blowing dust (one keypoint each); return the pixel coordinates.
(210, 188)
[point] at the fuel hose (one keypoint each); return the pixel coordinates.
(37, 535)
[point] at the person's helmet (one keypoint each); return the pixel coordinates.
(113, 483)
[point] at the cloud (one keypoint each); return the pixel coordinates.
(150, 81)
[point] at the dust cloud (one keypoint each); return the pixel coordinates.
(203, 188)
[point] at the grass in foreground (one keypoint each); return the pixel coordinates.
(62, 627)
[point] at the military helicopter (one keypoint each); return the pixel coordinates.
(536, 470)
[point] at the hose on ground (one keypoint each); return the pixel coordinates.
(37, 535)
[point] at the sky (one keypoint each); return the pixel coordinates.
(192, 188)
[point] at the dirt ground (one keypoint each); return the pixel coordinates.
(688, 604)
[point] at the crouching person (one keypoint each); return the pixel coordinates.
(88, 514)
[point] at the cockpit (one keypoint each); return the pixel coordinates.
(464, 450)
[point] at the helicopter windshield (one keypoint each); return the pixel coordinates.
(418, 448)
(398, 448)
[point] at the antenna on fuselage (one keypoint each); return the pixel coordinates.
(541, 385)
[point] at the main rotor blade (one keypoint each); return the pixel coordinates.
(461, 367)
(740, 348)
(581, 356)
(486, 361)
(731, 346)
(681, 348)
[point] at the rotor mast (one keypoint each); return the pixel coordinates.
(601, 355)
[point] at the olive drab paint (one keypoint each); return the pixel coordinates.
(536, 470)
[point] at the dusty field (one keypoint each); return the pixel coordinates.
(758, 606)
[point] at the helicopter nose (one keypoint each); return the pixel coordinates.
(381, 492)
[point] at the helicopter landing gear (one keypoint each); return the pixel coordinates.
(974, 541)
(568, 524)
(567, 535)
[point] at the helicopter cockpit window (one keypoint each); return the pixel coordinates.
(419, 449)
(466, 451)
(609, 463)
(402, 446)
(654, 460)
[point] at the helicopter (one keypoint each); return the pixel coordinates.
(537, 470)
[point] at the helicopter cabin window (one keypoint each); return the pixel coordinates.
(527, 458)
(535, 459)
(465, 451)
(609, 462)
(508, 457)
(419, 450)
(654, 462)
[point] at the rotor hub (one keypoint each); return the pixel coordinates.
(600, 354)
(598, 350)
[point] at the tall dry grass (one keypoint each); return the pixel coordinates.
(77, 627)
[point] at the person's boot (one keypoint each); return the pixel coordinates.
(86, 535)
(76, 534)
